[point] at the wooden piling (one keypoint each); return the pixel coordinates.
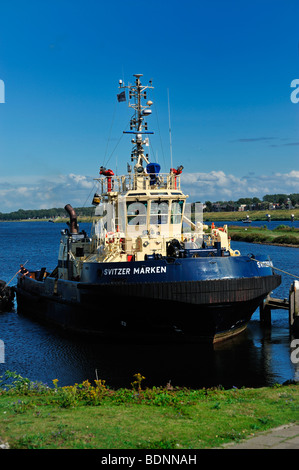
(291, 304)
(265, 312)
(294, 306)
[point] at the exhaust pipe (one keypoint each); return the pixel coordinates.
(74, 228)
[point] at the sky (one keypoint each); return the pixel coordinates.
(221, 71)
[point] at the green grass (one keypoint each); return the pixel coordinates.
(253, 215)
(282, 235)
(86, 416)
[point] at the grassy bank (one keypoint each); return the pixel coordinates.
(59, 220)
(282, 235)
(283, 215)
(86, 416)
(254, 215)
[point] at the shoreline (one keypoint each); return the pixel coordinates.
(205, 219)
(283, 215)
(272, 244)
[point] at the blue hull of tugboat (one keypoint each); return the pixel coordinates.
(190, 299)
(176, 270)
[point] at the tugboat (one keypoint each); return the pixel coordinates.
(149, 269)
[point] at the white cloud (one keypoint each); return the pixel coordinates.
(78, 190)
(216, 185)
(44, 194)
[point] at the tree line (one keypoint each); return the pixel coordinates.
(50, 214)
(283, 201)
(269, 201)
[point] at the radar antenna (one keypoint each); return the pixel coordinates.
(138, 126)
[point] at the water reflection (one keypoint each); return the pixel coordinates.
(257, 357)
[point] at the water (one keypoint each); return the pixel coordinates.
(258, 357)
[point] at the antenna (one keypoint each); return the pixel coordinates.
(137, 124)
(169, 130)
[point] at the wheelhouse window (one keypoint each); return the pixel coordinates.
(159, 212)
(136, 213)
(176, 211)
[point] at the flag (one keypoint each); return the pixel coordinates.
(121, 96)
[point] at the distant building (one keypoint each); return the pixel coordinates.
(273, 206)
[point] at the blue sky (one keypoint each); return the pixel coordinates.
(227, 66)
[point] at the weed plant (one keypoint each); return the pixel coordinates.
(35, 415)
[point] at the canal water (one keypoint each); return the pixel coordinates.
(258, 357)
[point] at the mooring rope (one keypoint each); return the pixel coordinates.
(277, 269)
(285, 272)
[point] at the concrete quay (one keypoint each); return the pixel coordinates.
(283, 437)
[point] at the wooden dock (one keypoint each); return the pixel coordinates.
(291, 304)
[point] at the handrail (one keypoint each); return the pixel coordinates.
(141, 182)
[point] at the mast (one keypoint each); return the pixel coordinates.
(138, 126)
(169, 130)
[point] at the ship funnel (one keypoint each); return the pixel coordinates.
(74, 228)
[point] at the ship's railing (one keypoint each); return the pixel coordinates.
(139, 182)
